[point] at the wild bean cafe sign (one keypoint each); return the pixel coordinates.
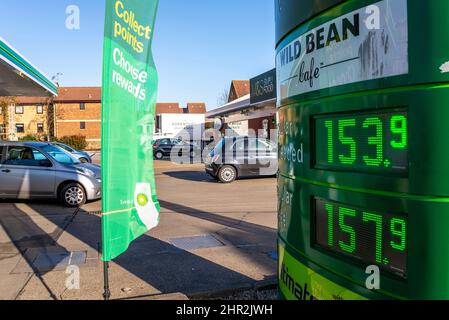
(366, 44)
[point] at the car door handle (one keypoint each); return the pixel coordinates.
(6, 170)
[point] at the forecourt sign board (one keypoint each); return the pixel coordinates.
(363, 106)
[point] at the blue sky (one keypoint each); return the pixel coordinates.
(199, 45)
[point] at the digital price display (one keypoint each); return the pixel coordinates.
(373, 238)
(368, 142)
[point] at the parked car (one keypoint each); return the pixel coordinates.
(163, 147)
(82, 156)
(38, 170)
(235, 157)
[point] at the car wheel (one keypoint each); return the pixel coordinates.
(84, 160)
(73, 195)
(159, 155)
(227, 174)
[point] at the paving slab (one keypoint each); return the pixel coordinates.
(24, 231)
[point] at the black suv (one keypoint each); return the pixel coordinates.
(235, 157)
(163, 147)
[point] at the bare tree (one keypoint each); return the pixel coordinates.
(223, 97)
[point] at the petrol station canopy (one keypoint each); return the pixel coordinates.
(18, 77)
(233, 106)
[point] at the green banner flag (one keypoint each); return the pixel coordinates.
(130, 207)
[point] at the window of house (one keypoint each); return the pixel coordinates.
(82, 125)
(40, 109)
(82, 106)
(20, 128)
(19, 109)
(40, 128)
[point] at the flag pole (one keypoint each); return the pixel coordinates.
(107, 292)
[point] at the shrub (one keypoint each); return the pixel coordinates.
(76, 142)
(33, 137)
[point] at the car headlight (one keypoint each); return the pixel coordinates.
(86, 171)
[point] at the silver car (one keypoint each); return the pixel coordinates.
(82, 156)
(38, 170)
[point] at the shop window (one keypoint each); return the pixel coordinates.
(40, 109)
(40, 128)
(20, 128)
(19, 109)
(82, 125)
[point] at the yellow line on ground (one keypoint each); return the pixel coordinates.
(118, 211)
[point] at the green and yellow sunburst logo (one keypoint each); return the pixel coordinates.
(142, 199)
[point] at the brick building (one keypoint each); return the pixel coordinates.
(21, 116)
(78, 112)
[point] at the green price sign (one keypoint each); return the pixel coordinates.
(363, 143)
(371, 237)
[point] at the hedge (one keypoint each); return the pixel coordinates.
(76, 142)
(33, 137)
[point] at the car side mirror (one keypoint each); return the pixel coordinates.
(45, 163)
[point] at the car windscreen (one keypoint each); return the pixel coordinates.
(65, 147)
(178, 142)
(60, 155)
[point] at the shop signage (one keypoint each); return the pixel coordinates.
(366, 44)
(263, 87)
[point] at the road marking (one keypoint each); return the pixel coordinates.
(118, 211)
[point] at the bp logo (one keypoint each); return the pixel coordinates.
(142, 200)
(146, 209)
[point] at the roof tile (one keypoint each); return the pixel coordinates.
(28, 100)
(78, 94)
(196, 108)
(168, 108)
(242, 87)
